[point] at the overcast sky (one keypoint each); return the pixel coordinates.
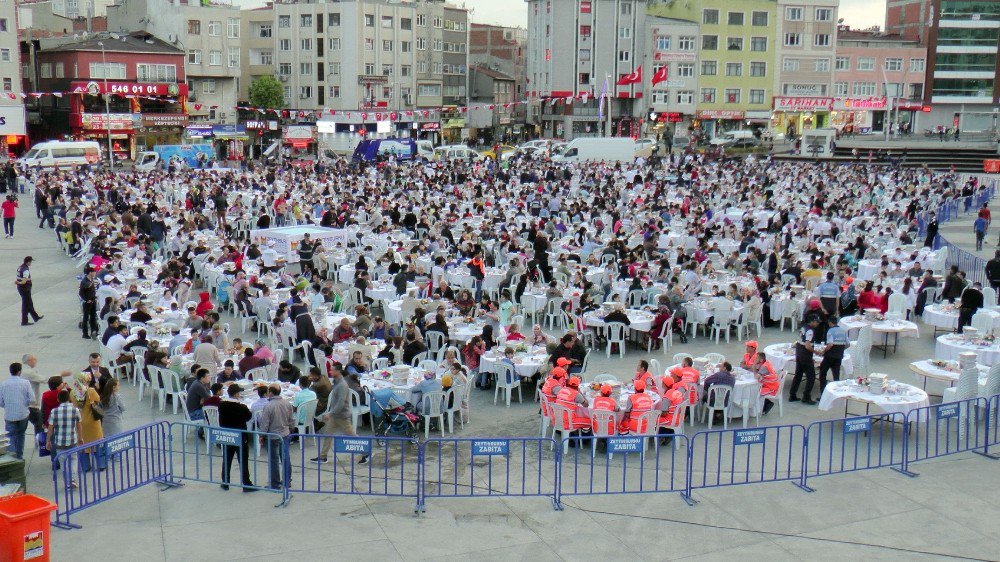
(856, 13)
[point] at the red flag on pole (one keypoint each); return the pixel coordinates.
(634, 77)
(660, 75)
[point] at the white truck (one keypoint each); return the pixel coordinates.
(594, 149)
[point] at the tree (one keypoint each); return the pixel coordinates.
(267, 92)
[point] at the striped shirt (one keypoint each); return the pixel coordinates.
(63, 422)
(15, 395)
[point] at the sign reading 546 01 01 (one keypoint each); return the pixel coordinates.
(96, 87)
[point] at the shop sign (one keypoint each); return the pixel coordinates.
(802, 104)
(228, 130)
(373, 79)
(907, 105)
(113, 121)
(302, 132)
(430, 126)
(164, 119)
(261, 125)
(674, 57)
(729, 114)
(12, 120)
(96, 87)
(199, 130)
(863, 103)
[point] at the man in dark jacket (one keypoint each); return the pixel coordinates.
(235, 415)
(993, 271)
(953, 285)
(972, 300)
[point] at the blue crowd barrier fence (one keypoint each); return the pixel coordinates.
(851, 444)
(476, 467)
(731, 457)
(632, 464)
(992, 424)
(98, 471)
(392, 466)
(946, 429)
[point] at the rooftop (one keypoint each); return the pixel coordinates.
(136, 42)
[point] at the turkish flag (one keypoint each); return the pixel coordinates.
(660, 75)
(631, 78)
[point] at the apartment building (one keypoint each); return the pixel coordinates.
(12, 116)
(502, 49)
(806, 37)
(675, 99)
(210, 35)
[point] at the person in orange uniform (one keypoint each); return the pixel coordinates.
(642, 374)
(685, 372)
(606, 403)
(570, 397)
(764, 372)
(750, 356)
(672, 400)
(637, 405)
(551, 386)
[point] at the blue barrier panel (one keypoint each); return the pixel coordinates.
(331, 464)
(473, 467)
(98, 471)
(633, 464)
(228, 457)
(732, 457)
(946, 429)
(992, 424)
(857, 443)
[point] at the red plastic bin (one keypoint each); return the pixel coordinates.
(24, 528)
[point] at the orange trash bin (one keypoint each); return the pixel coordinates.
(24, 528)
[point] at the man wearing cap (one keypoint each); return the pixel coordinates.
(672, 405)
(570, 397)
(638, 404)
(234, 414)
(750, 355)
(770, 383)
(23, 283)
(551, 385)
(606, 403)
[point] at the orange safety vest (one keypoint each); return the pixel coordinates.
(609, 404)
(768, 379)
(547, 387)
(748, 359)
(648, 378)
(641, 403)
(686, 374)
(567, 397)
(668, 414)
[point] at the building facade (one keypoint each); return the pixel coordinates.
(210, 35)
(13, 127)
(502, 49)
(878, 82)
(806, 39)
(961, 76)
(674, 101)
(491, 95)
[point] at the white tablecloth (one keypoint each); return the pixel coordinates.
(948, 374)
(526, 364)
(946, 316)
(881, 329)
(909, 397)
(950, 346)
(641, 320)
(782, 356)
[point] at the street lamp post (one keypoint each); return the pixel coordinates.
(107, 104)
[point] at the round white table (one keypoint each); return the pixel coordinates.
(906, 398)
(526, 363)
(950, 346)
(884, 332)
(641, 320)
(945, 316)
(945, 371)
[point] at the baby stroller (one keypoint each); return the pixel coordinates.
(390, 418)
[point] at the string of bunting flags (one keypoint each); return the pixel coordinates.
(26, 95)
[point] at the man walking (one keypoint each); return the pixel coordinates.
(277, 418)
(15, 398)
(980, 226)
(993, 271)
(88, 294)
(337, 417)
(65, 429)
(23, 283)
(9, 208)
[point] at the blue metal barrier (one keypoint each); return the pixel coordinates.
(213, 458)
(392, 467)
(474, 467)
(626, 465)
(732, 457)
(992, 424)
(98, 471)
(946, 429)
(851, 444)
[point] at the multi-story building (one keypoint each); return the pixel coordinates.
(12, 117)
(73, 9)
(258, 47)
(736, 53)
(674, 100)
(210, 36)
(878, 81)
(806, 38)
(502, 49)
(491, 94)
(963, 40)
(584, 48)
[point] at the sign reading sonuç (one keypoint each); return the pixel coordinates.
(802, 104)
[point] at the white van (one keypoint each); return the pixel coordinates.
(456, 152)
(730, 136)
(62, 154)
(611, 149)
(425, 149)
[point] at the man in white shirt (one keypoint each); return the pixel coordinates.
(269, 258)
(116, 344)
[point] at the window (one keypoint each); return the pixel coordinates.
(732, 95)
(585, 7)
(387, 46)
(305, 20)
(756, 96)
(734, 44)
(264, 31)
(624, 56)
(824, 14)
(208, 86)
(758, 69)
(334, 91)
(215, 58)
(369, 69)
(894, 90)
(624, 32)
(305, 92)
(60, 70)
(405, 70)
(285, 68)
(111, 70)
(234, 57)
(306, 44)
(437, 45)
(194, 56)
(821, 40)
(333, 20)
(406, 23)
(660, 98)
(3, 27)
(333, 43)
(708, 43)
(734, 69)
(916, 65)
(790, 65)
(335, 68)
(421, 20)
(916, 91)
(626, 9)
(369, 44)
(265, 57)
(759, 19)
(287, 91)
(584, 54)
(214, 28)
(386, 22)
(284, 44)
(305, 68)
(710, 17)
(233, 28)
(8, 84)
(194, 27)
(709, 68)
(421, 44)
(422, 67)
(284, 21)
(431, 90)
(866, 63)
(793, 14)
(843, 63)
(406, 46)
(155, 73)
(793, 39)
(893, 64)
(735, 18)
(437, 22)
(685, 43)
(387, 70)
(685, 97)
(708, 95)
(369, 20)
(758, 44)
(45, 70)
(685, 70)
(864, 88)
(821, 65)
(840, 89)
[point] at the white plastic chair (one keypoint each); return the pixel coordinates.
(750, 402)
(780, 396)
(675, 423)
(897, 307)
(790, 312)
(357, 409)
(380, 363)
(435, 341)
(562, 424)
(553, 313)
(309, 409)
(428, 365)
(715, 358)
(546, 408)
(602, 423)
(422, 356)
(989, 298)
(182, 395)
(454, 397)
(257, 374)
(432, 408)
(508, 381)
(718, 401)
(666, 337)
(679, 357)
(982, 321)
(615, 332)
